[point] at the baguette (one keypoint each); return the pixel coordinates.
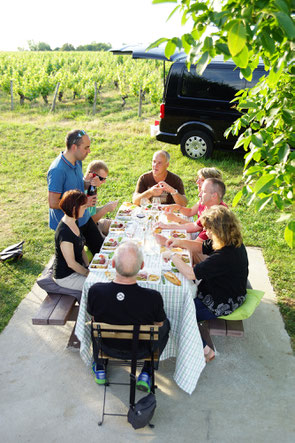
(170, 276)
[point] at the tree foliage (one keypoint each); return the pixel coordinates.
(247, 32)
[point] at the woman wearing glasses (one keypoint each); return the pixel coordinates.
(98, 169)
(70, 267)
(223, 273)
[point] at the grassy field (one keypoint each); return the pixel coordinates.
(31, 138)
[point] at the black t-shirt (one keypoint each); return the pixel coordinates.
(64, 233)
(224, 278)
(125, 304)
(122, 305)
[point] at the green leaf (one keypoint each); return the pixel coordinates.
(257, 140)
(282, 6)
(157, 43)
(286, 24)
(170, 49)
(174, 10)
(202, 63)
(222, 48)
(261, 203)
(247, 73)
(267, 42)
(263, 184)
(283, 153)
(287, 116)
(278, 201)
(290, 234)
(163, 1)
(242, 58)
(236, 38)
(237, 198)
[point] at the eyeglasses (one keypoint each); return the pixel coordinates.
(102, 179)
(79, 135)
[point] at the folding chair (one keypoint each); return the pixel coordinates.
(149, 333)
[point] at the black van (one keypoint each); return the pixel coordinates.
(196, 110)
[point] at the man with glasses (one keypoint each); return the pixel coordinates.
(65, 174)
(98, 168)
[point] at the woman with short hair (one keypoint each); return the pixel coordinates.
(70, 267)
(223, 273)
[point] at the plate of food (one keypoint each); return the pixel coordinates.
(148, 276)
(178, 234)
(99, 261)
(110, 275)
(111, 243)
(117, 226)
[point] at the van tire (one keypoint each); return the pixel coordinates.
(196, 144)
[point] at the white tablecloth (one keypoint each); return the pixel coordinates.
(184, 341)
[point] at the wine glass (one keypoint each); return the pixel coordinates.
(144, 202)
(156, 201)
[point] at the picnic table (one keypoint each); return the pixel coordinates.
(184, 342)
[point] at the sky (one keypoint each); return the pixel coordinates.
(80, 22)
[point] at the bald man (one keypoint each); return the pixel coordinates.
(160, 182)
(124, 302)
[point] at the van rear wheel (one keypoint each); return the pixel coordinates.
(196, 144)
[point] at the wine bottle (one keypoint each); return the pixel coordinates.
(92, 189)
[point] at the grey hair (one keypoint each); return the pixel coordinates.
(165, 153)
(210, 173)
(128, 259)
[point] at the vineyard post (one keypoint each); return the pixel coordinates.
(11, 95)
(140, 103)
(54, 98)
(95, 98)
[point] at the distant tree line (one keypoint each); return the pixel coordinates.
(42, 46)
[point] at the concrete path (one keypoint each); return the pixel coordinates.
(245, 395)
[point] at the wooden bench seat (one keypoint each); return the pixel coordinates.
(229, 328)
(56, 309)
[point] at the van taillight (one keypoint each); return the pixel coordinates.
(162, 110)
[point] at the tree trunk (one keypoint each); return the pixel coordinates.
(124, 100)
(54, 98)
(11, 95)
(95, 98)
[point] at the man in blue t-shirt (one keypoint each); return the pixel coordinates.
(65, 174)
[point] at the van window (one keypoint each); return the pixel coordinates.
(216, 83)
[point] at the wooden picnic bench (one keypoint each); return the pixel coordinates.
(229, 328)
(58, 309)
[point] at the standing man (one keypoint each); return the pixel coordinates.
(124, 302)
(65, 174)
(160, 182)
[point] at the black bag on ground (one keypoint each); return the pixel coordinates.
(142, 412)
(12, 253)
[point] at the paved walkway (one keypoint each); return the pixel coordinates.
(245, 395)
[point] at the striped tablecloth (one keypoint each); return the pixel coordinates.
(184, 341)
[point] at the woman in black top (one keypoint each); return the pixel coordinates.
(224, 273)
(70, 267)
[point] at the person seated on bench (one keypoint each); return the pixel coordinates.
(70, 267)
(124, 302)
(224, 273)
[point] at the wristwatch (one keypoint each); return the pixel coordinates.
(175, 192)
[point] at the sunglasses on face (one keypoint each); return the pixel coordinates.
(102, 179)
(79, 135)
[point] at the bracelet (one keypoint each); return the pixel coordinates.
(175, 192)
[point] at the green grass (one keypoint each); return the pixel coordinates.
(31, 137)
